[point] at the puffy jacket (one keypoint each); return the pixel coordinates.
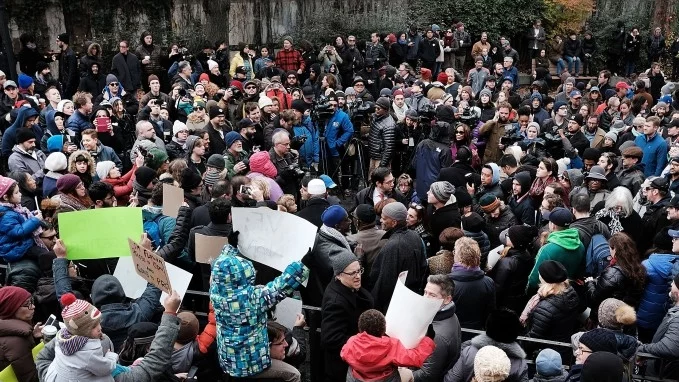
(565, 247)
(326, 249)
(382, 139)
(447, 351)
(613, 282)
(554, 317)
(338, 131)
(24, 273)
(16, 233)
(16, 343)
(78, 122)
(241, 310)
(484, 244)
(653, 221)
(474, 296)
(373, 358)
(655, 299)
(510, 275)
(22, 161)
(431, 155)
(463, 371)
(9, 136)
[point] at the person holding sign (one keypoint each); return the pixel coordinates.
(241, 311)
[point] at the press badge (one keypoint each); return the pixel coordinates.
(411, 142)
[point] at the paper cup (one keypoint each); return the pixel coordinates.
(48, 333)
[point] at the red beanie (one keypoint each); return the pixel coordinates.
(442, 78)
(205, 77)
(426, 74)
(67, 183)
(261, 162)
(11, 299)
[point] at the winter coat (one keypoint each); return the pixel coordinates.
(78, 122)
(326, 249)
(654, 220)
(572, 48)
(382, 139)
(16, 233)
(429, 49)
(565, 247)
(484, 244)
(431, 155)
(665, 343)
(241, 310)
(455, 175)
(655, 299)
(309, 152)
(588, 227)
(376, 358)
(313, 210)
(495, 226)
(16, 343)
(403, 251)
(151, 368)
(555, 316)
(474, 296)
(447, 351)
(338, 132)
(22, 161)
(91, 363)
(68, 72)
(127, 68)
(440, 219)
(510, 274)
(523, 209)
(92, 83)
(463, 371)
(613, 282)
(340, 310)
(365, 196)
(9, 136)
(155, 54)
(655, 154)
(492, 131)
(632, 178)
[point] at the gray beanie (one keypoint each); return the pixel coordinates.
(342, 260)
(396, 211)
(487, 92)
(443, 191)
(612, 135)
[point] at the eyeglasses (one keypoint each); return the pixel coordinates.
(113, 84)
(416, 206)
(354, 273)
(30, 304)
(581, 350)
(250, 87)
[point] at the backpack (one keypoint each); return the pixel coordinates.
(152, 229)
(597, 256)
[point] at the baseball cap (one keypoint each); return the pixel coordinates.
(10, 84)
(419, 83)
(561, 217)
(674, 202)
(329, 183)
(660, 184)
(622, 85)
(576, 94)
(594, 89)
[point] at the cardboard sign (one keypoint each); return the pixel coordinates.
(173, 197)
(150, 267)
(134, 285)
(208, 248)
(100, 233)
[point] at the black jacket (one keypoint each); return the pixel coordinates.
(403, 251)
(455, 174)
(511, 275)
(613, 282)
(444, 217)
(326, 249)
(340, 311)
(217, 143)
(474, 297)
(495, 226)
(447, 351)
(313, 211)
(653, 221)
(523, 210)
(382, 139)
(554, 317)
(365, 196)
(179, 237)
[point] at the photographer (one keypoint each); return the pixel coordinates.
(236, 159)
(305, 131)
(286, 162)
(338, 132)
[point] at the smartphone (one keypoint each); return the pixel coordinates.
(245, 189)
(102, 124)
(51, 320)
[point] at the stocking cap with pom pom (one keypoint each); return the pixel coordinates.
(79, 316)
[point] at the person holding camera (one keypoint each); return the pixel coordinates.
(338, 132)
(286, 162)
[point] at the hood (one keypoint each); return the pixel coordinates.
(568, 239)
(23, 115)
(237, 273)
(512, 349)
(182, 358)
(496, 172)
(261, 162)
(190, 144)
(92, 47)
(440, 132)
(90, 161)
(107, 290)
(557, 378)
(49, 120)
(524, 180)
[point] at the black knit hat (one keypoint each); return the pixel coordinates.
(190, 179)
(600, 339)
(553, 272)
(503, 325)
(521, 235)
(23, 134)
(473, 223)
(602, 367)
(463, 199)
(144, 175)
(64, 37)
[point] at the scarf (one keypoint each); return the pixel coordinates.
(142, 191)
(537, 189)
(181, 142)
(73, 202)
(532, 303)
(337, 235)
(23, 211)
(419, 229)
(400, 112)
(70, 344)
(614, 225)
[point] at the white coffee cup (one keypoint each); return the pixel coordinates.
(147, 58)
(48, 333)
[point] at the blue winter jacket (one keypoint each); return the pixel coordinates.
(16, 234)
(78, 122)
(655, 300)
(310, 149)
(655, 154)
(9, 138)
(338, 131)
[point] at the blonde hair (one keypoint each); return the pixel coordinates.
(546, 289)
(467, 252)
(264, 186)
(287, 201)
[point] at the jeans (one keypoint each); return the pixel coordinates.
(630, 66)
(570, 61)
(560, 65)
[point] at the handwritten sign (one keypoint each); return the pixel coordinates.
(150, 267)
(409, 314)
(134, 285)
(209, 247)
(272, 238)
(173, 197)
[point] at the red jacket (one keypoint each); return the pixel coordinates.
(122, 187)
(373, 359)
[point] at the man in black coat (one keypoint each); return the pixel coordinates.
(94, 82)
(381, 188)
(574, 138)
(126, 68)
(316, 204)
(403, 251)
(201, 215)
(68, 67)
(215, 131)
(443, 211)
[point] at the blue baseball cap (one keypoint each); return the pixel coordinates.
(329, 183)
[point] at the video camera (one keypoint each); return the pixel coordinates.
(360, 110)
(321, 111)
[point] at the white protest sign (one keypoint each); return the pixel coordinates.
(173, 197)
(150, 266)
(494, 256)
(208, 248)
(273, 238)
(134, 285)
(287, 310)
(409, 314)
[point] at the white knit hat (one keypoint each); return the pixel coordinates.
(178, 126)
(103, 168)
(212, 64)
(56, 162)
(265, 101)
(491, 364)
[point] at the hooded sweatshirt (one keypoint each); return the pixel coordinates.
(376, 358)
(565, 247)
(9, 138)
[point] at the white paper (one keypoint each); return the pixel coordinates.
(287, 310)
(409, 314)
(272, 238)
(134, 285)
(494, 256)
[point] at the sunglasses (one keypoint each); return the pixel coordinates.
(113, 84)
(416, 206)
(292, 77)
(251, 87)
(199, 108)
(459, 132)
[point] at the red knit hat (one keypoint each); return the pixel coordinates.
(426, 74)
(205, 77)
(80, 317)
(261, 162)
(442, 78)
(11, 299)
(5, 185)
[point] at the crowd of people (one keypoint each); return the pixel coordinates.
(546, 211)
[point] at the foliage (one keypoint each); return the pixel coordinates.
(510, 18)
(564, 16)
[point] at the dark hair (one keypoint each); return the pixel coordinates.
(627, 258)
(21, 178)
(580, 203)
(219, 211)
(449, 236)
(372, 321)
(221, 188)
(507, 160)
(379, 174)
(551, 166)
(238, 181)
(100, 190)
(524, 110)
(274, 331)
(157, 194)
(10, 191)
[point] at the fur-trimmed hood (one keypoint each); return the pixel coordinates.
(90, 160)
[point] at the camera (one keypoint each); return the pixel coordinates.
(297, 142)
(427, 113)
(321, 109)
(295, 171)
(360, 110)
(235, 93)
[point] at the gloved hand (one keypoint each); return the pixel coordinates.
(306, 260)
(233, 238)
(430, 331)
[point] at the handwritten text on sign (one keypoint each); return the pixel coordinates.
(150, 266)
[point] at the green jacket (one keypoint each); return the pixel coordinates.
(562, 246)
(230, 161)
